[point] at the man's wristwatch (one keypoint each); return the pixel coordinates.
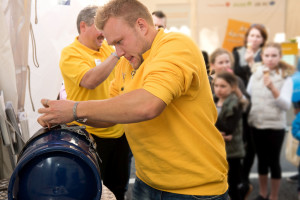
(82, 120)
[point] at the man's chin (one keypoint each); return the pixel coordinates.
(135, 65)
(132, 64)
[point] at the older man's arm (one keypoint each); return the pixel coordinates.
(95, 76)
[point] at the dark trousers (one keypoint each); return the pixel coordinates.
(142, 191)
(130, 156)
(250, 152)
(114, 167)
(234, 177)
(268, 143)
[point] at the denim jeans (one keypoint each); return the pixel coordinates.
(142, 191)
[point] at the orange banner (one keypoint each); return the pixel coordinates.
(289, 48)
(235, 34)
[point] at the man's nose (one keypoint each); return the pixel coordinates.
(120, 51)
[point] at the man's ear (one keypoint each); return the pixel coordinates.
(82, 26)
(142, 25)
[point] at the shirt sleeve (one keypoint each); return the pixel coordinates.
(174, 71)
(71, 59)
(284, 99)
(249, 86)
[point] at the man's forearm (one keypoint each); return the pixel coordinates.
(132, 107)
(98, 124)
(98, 74)
(136, 106)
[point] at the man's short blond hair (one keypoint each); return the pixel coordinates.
(129, 10)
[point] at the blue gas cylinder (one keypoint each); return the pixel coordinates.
(60, 163)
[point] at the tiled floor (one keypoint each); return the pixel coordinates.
(3, 189)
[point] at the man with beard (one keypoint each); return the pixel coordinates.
(162, 96)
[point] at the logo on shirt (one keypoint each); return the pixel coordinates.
(97, 62)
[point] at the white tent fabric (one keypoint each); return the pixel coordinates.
(17, 15)
(7, 69)
(8, 84)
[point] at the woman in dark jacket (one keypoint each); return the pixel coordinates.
(245, 56)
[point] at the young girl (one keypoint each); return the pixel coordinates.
(229, 123)
(220, 61)
(270, 88)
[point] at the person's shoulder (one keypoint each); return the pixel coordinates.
(237, 48)
(233, 97)
(105, 44)
(174, 36)
(296, 78)
(174, 41)
(257, 67)
(68, 46)
(67, 51)
(240, 81)
(71, 47)
(231, 102)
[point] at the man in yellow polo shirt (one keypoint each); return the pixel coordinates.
(87, 67)
(163, 98)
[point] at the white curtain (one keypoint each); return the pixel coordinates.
(17, 14)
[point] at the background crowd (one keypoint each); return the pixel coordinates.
(263, 121)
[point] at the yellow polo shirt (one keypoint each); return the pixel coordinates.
(181, 150)
(76, 59)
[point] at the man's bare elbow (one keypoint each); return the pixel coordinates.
(89, 86)
(92, 87)
(153, 111)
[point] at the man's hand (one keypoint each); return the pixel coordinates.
(55, 112)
